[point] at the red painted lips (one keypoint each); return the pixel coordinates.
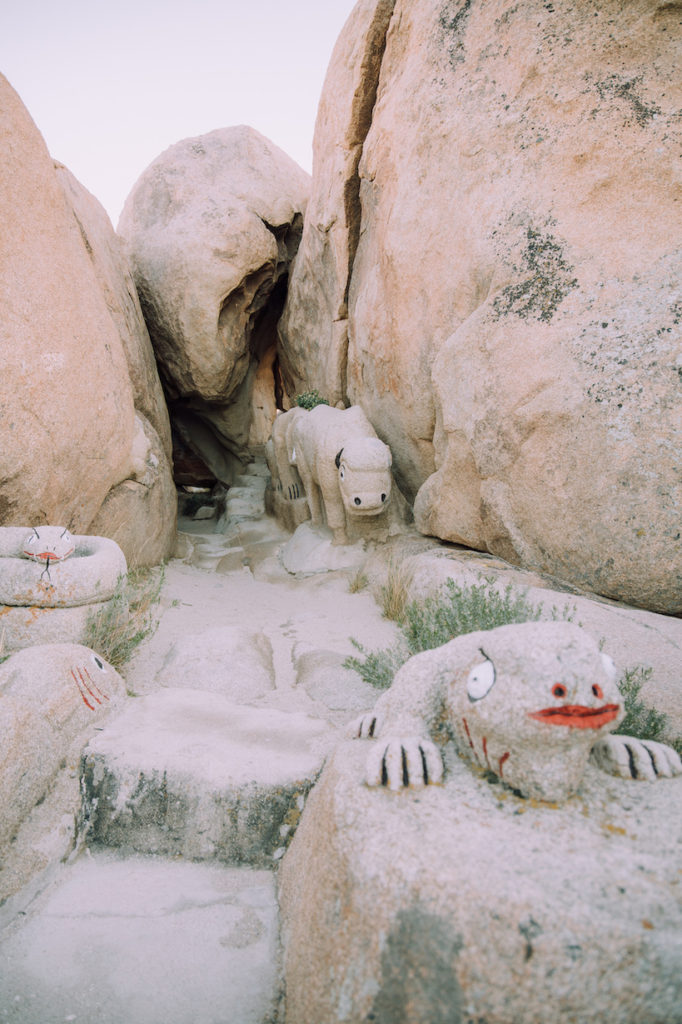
(577, 716)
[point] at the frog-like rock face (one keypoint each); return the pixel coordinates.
(531, 703)
(48, 544)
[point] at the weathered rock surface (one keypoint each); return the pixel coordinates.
(72, 338)
(466, 902)
(192, 774)
(514, 298)
(236, 662)
(141, 939)
(314, 326)
(633, 637)
(51, 698)
(211, 227)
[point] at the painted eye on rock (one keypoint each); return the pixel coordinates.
(480, 680)
(98, 662)
(558, 690)
(597, 691)
(342, 475)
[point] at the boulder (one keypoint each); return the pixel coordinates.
(52, 696)
(71, 341)
(464, 902)
(140, 512)
(191, 774)
(514, 298)
(314, 326)
(211, 227)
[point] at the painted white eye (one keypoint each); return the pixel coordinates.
(98, 662)
(480, 680)
(609, 666)
(342, 474)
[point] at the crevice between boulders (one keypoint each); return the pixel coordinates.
(362, 110)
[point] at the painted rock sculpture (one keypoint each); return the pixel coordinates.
(344, 468)
(529, 702)
(52, 697)
(48, 544)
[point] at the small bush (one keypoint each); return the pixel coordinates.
(429, 623)
(118, 629)
(641, 720)
(377, 667)
(395, 592)
(358, 582)
(309, 399)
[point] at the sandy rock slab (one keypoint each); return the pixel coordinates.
(143, 941)
(464, 902)
(192, 774)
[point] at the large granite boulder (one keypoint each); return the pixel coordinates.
(211, 227)
(82, 415)
(514, 299)
(464, 902)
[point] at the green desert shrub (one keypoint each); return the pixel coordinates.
(456, 609)
(128, 618)
(309, 399)
(641, 720)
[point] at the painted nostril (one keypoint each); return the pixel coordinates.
(383, 497)
(357, 501)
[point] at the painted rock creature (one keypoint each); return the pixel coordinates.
(52, 697)
(345, 468)
(529, 702)
(49, 544)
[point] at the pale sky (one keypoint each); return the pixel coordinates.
(113, 83)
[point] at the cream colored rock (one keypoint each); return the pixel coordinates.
(139, 513)
(105, 249)
(77, 361)
(527, 702)
(211, 227)
(67, 413)
(344, 467)
(51, 698)
(314, 327)
(514, 298)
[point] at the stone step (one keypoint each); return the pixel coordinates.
(191, 774)
(257, 484)
(142, 940)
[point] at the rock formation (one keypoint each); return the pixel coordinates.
(211, 227)
(463, 902)
(490, 266)
(52, 696)
(82, 445)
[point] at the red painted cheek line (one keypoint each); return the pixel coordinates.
(91, 692)
(471, 742)
(80, 690)
(96, 687)
(485, 751)
(501, 763)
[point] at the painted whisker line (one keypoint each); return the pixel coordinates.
(80, 690)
